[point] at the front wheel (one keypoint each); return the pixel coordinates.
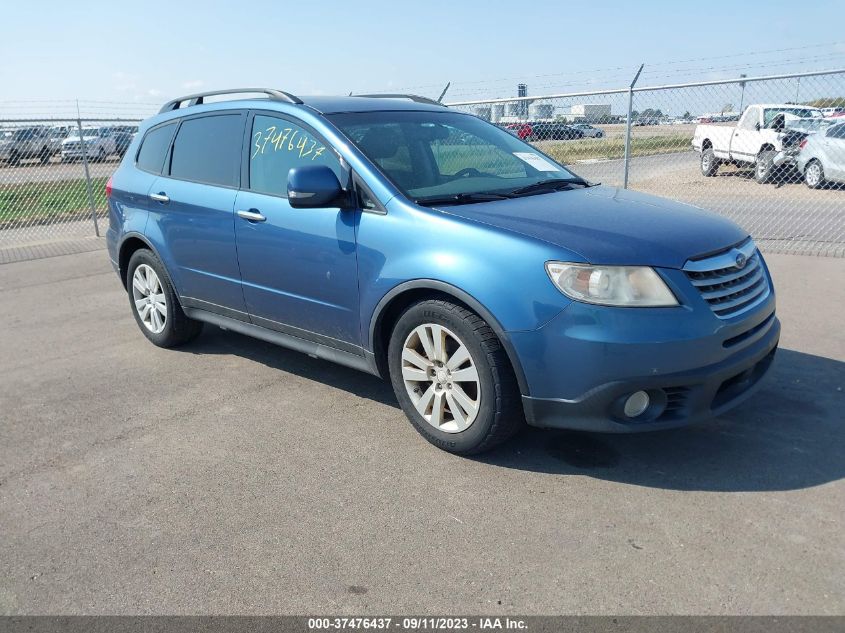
(764, 168)
(453, 378)
(709, 163)
(154, 303)
(814, 175)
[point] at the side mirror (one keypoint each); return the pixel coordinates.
(757, 126)
(314, 186)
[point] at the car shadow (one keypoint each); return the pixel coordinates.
(789, 435)
(214, 340)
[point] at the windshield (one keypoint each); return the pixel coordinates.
(805, 113)
(436, 154)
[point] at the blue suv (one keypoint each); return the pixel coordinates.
(391, 234)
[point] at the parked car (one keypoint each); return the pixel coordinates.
(821, 158)
(123, 135)
(490, 287)
(99, 145)
(588, 130)
(57, 134)
(543, 131)
(25, 143)
(756, 139)
(519, 130)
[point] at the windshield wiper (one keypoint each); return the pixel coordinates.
(462, 198)
(551, 184)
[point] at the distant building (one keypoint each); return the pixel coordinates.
(588, 112)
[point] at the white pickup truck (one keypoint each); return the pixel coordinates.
(757, 139)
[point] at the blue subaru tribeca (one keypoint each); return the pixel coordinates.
(391, 234)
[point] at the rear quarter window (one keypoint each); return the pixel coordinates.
(154, 148)
(208, 150)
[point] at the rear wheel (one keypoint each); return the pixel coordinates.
(709, 162)
(814, 174)
(44, 155)
(453, 379)
(764, 168)
(154, 303)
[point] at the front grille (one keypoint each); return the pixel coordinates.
(71, 146)
(728, 287)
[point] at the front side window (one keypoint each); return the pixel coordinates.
(208, 150)
(154, 148)
(430, 154)
(277, 146)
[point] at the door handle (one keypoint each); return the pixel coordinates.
(252, 215)
(160, 197)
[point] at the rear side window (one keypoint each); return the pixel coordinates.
(208, 150)
(154, 148)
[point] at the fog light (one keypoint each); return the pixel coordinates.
(636, 404)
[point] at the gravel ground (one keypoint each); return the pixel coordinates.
(235, 477)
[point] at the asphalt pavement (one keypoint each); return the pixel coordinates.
(231, 476)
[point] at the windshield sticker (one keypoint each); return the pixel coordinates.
(536, 161)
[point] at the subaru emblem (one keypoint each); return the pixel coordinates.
(740, 260)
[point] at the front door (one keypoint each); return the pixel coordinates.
(298, 266)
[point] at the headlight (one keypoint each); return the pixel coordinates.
(627, 286)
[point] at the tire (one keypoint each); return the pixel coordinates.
(600, 134)
(44, 156)
(489, 406)
(814, 174)
(764, 167)
(14, 159)
(101, 156)
(176, 328)
(709, 163)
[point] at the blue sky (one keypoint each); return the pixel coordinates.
(147, 51)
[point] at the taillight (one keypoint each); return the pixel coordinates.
(802, 144)
(108, 188)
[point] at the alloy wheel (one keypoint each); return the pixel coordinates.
(441, 378)
(814, 174)
(149, 298)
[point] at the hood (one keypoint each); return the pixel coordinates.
(607, 225)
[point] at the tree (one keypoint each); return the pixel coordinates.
(827, 102)
(687, 115)
(652, 113)
(728, 107)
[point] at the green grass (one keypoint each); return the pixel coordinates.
(608, 148)
(48, 201)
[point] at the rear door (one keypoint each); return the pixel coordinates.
(192, 211)
(299, 266)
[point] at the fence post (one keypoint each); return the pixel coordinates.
(628, 126)
(87, 173)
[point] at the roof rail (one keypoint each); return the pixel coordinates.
(414, 98)
(198, 98)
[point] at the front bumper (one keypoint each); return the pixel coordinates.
(581, 366)
(676, 399)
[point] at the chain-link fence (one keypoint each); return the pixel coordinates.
(53, 175)
(777, 170)
(767, 152)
